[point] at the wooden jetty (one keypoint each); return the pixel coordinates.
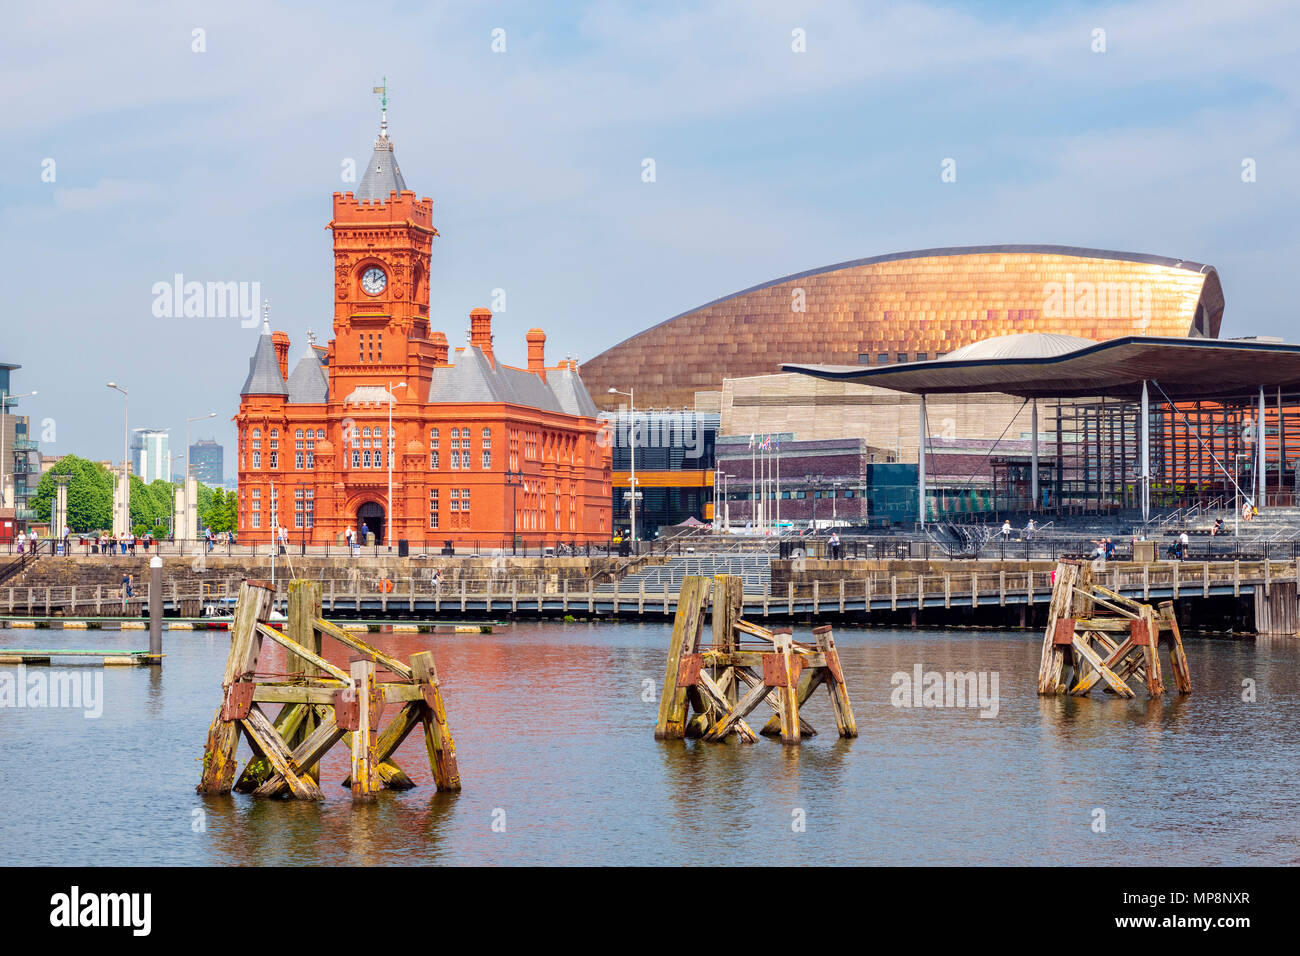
(930, 588)
(709, 679)
(1105, 637)
(109, 658)
(321, 705)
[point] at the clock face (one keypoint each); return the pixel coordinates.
(373, 281)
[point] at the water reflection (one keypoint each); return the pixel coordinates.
(555, 740)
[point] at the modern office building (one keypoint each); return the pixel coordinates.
(775, 481)
(151, 454)
(20, 463)
(674, 457)
(909, 307)
(207, 462)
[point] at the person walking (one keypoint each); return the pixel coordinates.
(1183, 542)
(1006, 529)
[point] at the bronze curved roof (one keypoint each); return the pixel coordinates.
(927, 301)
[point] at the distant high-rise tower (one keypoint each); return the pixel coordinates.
(207, 461)
(150, 454)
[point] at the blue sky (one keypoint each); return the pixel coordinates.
(220, 164)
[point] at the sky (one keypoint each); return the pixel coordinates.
(141, 140)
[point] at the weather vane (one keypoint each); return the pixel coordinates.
(383, 108)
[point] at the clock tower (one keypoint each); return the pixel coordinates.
(383, 238)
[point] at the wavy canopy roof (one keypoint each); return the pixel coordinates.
(908, 306)
(1184, 369)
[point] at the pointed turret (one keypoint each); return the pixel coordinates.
(309, 382)
(264, 376)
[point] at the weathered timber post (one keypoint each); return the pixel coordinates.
(1059, 635)
(845, 722)
(369, 700)
(684, 643)
(781, 670)
(728, 601)
(433, 715)
(304, 609)
(253, 606)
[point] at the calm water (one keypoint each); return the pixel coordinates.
(551, 728)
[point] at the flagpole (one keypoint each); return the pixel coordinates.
(753, 487)
(778, 487)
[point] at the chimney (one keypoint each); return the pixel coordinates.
(537, 352)
(440, 349)
(480, 331)
(280, 341)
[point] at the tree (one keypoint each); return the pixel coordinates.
(217, 508)
(90, 494)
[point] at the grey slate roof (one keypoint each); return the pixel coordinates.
(572, 393)
(473, 379)
(264, 376)
(308, 382)
(382, 175)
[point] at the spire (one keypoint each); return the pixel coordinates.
(264, 375)
(383, 176)
(383, 108)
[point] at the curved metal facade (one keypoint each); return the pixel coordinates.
(907, 307)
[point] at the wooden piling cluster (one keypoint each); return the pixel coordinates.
(321, 705)
(745, 666)
(1104, 637)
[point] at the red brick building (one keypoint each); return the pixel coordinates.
(479, 451)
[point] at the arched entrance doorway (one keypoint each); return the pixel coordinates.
(370, 517)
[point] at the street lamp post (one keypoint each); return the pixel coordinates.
(126, 455)
(514, 479)
(300, 500)
(815, 482)
(631, 444)
(389, 444)
(1236, 490)
(5, 399)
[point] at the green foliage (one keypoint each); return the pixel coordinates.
(217, 508)
(90, 494)
(151, 506)
(90, 500)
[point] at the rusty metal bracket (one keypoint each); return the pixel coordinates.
(347, 709)
(1140, 633)
(833, 665)
(774, 670)
(688, 670)
(1064, 634)
(238, 701)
